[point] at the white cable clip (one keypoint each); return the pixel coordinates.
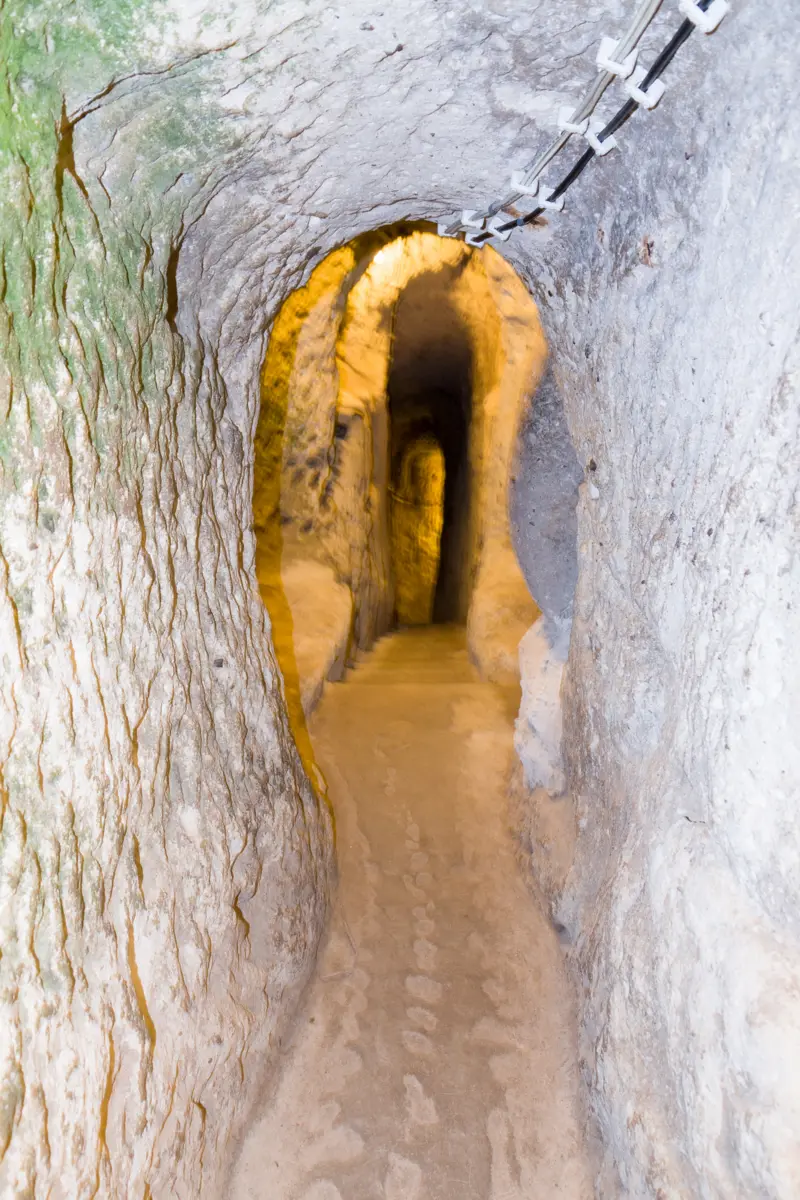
(607, 62)
(469, 219)
(633, 87)
(477, 238)
(567, 125)
(539, 191)
(706, 20)
(544, 201)
(494, 226)
(519, 185)
(596, 126)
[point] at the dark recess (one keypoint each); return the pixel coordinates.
(430, 392)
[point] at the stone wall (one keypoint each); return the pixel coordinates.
(670, 307)
(396, 317)
(170, 172)
(416, 509)
(163, 859)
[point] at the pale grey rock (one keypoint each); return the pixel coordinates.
(543, 499)
(537, 738)
(163, 860)
(669, 300)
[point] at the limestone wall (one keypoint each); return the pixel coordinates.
(670, 305)
(170, 172)
(325, 403)
(163, 859)
(416, 512)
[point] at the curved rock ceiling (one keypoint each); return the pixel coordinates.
(169, 173)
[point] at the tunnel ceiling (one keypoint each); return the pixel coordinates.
(431, 374)
(171, 170)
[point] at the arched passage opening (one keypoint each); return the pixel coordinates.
(416, 510)
(399, 340)
(430, 397)
(391, 403)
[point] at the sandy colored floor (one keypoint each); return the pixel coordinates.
(435, 1055)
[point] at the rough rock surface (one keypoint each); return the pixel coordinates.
(416, 511)
(392, 339)
(539, 725)
(170, 170)
(436, 1053)
(670, 307)
(543, 499)
(312, 623)
(542, 806)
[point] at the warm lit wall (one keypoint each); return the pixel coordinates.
(298, 400)
(363, 359)
(344, 509)
(310, 609)
(431, 392)
(416, 515)
(501, 609)
(170, 172)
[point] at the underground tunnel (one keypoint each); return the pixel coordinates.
(398, 586)
(391, 397)
(430, 415)
(389, 433)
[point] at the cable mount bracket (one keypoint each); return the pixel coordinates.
(705, 19)
(607, 62)
(645, 99)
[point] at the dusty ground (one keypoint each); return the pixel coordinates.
(435, 1057)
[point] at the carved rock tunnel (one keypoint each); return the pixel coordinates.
(430, 412)
(392, 398)
(174, 177)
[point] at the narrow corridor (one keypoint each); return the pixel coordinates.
(435, 1056)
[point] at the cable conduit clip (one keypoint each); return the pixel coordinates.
(607, 62)
(544, 198)
(470, 219)
(539, 191)
(494, 226)
(633, 87)
(519, 184)
(478, 237)
(706, 20)
(482, 237)
(481, 227)
(567, 125)
(596, 126)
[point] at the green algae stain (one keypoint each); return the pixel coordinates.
(67, 297)
(83, 268)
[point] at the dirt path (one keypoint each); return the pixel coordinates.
(435, 1057)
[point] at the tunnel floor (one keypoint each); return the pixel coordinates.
(435, 1055)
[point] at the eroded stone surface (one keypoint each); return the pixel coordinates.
(394, 339)
(671, 315)
(436, 1054)
(169, 172)
(416, 511)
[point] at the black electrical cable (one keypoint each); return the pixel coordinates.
(618, 120)
(624, 114)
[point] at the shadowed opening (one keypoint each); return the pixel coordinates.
(391, 393)
(430, 397)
